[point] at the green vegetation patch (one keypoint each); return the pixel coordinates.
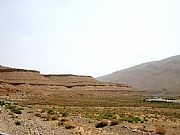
(14, 109)
(131, 119)
(50, 111)
(65, 114)
(2, 103)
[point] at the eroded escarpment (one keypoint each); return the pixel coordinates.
(17, 76)
(9, 69)
(30, 84)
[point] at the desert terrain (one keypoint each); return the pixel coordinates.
(158, 77)
(64, 104)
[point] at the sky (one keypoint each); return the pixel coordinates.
(87, 37)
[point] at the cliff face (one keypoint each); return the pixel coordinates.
(8, 69)
(15, 75)
(67, 79)
(17, 70)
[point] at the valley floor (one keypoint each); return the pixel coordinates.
(46, 120)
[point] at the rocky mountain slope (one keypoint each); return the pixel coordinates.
(158, 77)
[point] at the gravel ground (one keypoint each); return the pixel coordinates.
(31, 125)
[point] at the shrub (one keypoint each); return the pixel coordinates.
(114, 122)
(18, 123)
(54, 117)
(44, 115)
(50, 111)
(69, 126)
(37, 114)
(101, 124)
(14, 109)
(43, 110)
(131, 119)
(17, 111)
(64, 120)
(29, 111)
(105, 116)
(47, 117)
(2, 103)
(10, 113)
(20, 108)
(10, 107)
(65, 114)
(160, 130)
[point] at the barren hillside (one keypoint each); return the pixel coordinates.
(22, 84)
(158, 77)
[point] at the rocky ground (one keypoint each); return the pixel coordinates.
(28, 124)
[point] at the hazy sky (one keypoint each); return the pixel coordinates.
(89, 37)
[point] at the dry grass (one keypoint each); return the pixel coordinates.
(160, 130)
(54, 117)
(114, 123)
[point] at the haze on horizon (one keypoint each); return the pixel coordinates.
(88, 37)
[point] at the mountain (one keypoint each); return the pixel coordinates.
(157, 77)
